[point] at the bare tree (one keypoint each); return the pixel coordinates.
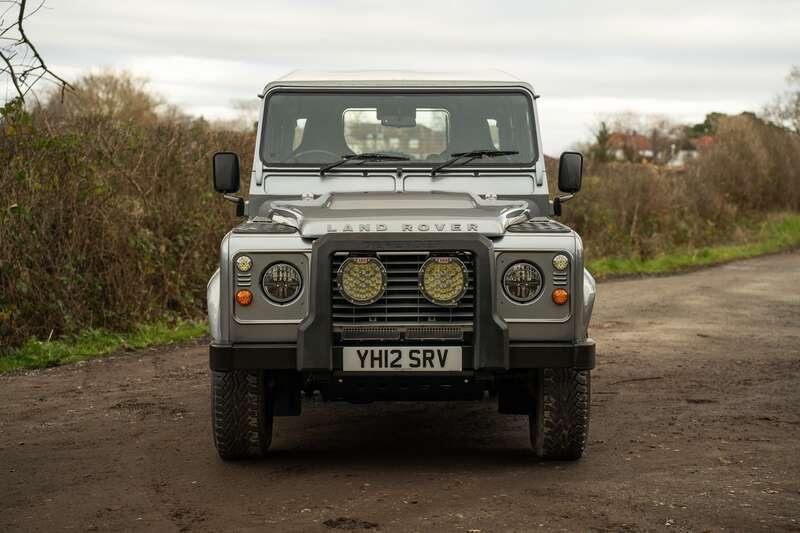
(785, 108)
(20, 61)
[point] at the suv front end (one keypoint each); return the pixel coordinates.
(390, 282)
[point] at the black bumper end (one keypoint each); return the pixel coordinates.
(580, 355)
(527, 355)
(225, 357)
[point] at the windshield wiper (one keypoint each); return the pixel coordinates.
(369, 156)
(470, 156)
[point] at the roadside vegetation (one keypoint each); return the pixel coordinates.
(98, 342)
(108, 218)
(780, 232)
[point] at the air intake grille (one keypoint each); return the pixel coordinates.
(403, 303)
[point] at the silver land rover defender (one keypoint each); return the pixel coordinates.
(399, 245)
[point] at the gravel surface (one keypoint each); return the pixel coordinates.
(695, 426)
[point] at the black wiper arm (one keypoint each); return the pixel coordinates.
(470, 156)
(369, 156)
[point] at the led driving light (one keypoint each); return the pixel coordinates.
(362, 280)
(443, 280)
(244, 263)
(244, 297)
(560, 296)
(560, 262)
(282, 283)
(522, 282)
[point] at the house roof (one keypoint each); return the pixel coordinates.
(620, 141)
(398, 78)
(703, 143)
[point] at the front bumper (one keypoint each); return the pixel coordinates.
(522, 356)
(489, 350)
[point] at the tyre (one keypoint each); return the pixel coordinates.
(559, 419)
(241, 414)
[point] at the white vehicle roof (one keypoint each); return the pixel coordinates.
(398, 78)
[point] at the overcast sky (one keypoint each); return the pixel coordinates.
(586, 59)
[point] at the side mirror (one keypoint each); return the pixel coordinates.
(570, 172)
(226, 172)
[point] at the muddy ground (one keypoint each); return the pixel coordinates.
(695, 426)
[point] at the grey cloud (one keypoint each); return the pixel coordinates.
(706, 54)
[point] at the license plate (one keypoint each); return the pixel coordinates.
(401, 358)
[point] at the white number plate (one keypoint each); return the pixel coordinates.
(401, 358)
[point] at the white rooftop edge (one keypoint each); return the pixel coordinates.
(401, 78)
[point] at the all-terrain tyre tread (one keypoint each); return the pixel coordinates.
(559, 423)
(241, 414)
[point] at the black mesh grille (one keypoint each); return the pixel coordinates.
(539, 226)
(403, 303)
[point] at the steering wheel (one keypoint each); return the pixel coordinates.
(299, 155)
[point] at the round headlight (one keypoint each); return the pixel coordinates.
(282, 282)
(244, 263)
(443, 280)
(522, 282)
(560, 262)
(362, 280)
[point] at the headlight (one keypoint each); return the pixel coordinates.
(282, 283)
(443, 280)
(522, 282)
(362, 280)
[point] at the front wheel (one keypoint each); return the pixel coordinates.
(559, 419)
(241, 414)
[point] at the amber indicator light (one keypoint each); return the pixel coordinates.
(560, 296)
(244, 297)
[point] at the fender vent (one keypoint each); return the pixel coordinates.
(560, 279)
(539, 226)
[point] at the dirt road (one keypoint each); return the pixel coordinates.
(695, 425)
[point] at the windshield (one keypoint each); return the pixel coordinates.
(319, 128)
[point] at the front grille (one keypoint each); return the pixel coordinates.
(403, 303)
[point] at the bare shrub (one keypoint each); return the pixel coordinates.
(109, 217)
(641, 210)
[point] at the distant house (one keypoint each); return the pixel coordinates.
(701, 144)
(681, 157)
(629, 146)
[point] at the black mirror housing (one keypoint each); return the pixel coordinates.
(226, 172)
(570, 172)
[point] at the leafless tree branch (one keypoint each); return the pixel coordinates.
(21, 61)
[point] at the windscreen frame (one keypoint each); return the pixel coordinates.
(411, 165)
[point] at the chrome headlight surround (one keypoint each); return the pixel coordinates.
(434, 276)
(523, 282)
(362, 280)
(282, 282)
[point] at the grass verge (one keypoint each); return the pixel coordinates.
(773, 235)
(96, 343)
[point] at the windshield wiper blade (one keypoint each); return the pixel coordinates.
(469, 156)
(369, 156)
